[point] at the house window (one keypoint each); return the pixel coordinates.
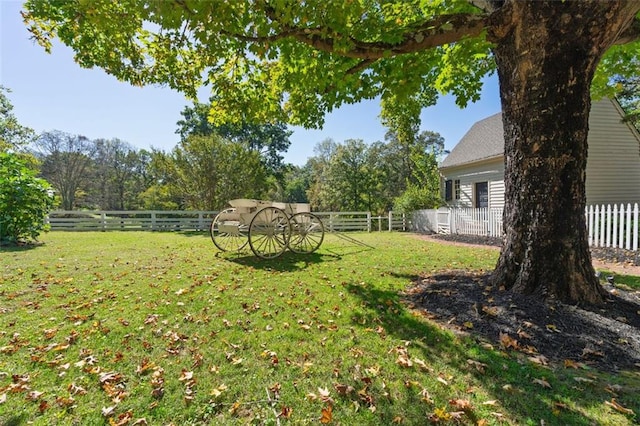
(448, 186)
(456, 189)
(482, 194)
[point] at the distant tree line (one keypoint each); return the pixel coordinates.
(211, 165)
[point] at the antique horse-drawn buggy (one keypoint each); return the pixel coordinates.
(268, 227)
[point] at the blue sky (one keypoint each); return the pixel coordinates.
(51, 92)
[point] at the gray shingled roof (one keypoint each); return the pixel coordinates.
(484, 140)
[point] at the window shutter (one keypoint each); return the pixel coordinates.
(448, 190)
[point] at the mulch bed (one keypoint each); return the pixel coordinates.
(606, 337)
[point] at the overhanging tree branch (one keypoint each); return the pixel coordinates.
(437, 32)
(632, 33)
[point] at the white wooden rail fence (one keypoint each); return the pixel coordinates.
(180, 220)
(105, 220)
(608, 225)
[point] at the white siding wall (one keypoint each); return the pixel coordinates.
(613, 164)
(490, 171)
(496, 192)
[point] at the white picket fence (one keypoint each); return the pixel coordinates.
(480, 221)
(614, 226)
(460, 220)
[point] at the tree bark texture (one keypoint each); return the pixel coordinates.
(547, 53)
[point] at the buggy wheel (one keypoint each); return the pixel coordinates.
(307, 233)
(269, 233)
(228, 233)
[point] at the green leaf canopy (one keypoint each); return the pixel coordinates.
(280, 60)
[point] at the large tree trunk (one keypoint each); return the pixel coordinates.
(547, 53)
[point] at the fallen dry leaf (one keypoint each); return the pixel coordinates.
(616, 406)
(327, 415)
(425, 397)
(490, 310)
(65, 402)
(108, 411)
(542, 382)
(442, 380)
(507, 341)
(76, 390)
(325, 395)
(404, 361)
(523, 334)
(461, 404)
(477, 365)
(613, 389)
(343, 389)
(569, 363)
(34, 395)
(420, 363)
(122, 420)
(439, 414)
(285, 412)
(552, 327)
(539, 359)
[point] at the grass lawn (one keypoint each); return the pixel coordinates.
(160, 328)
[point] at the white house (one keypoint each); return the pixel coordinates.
(473, 173)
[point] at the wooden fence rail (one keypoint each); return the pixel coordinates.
(180, 220)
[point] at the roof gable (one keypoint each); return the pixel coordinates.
(484, 140)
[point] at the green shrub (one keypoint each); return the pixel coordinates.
(24, 201)
(416, 198)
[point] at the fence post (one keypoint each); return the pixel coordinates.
(635, 226)
(103, 220)
(452, 222)
(621, 225)
(153, 221)
(368, 221)
(614, 235)
(390, 221)
(596, 227)
(589, 213)
(608, 229)
(628, 242)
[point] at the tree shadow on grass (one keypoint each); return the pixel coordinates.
(13, 248)
(194, 234)
(14, 420)
(507, 374)
(287, 262)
